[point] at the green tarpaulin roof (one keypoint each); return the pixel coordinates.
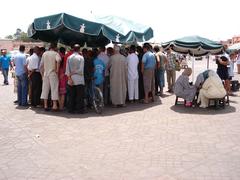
(67, 29)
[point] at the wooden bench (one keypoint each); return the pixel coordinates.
(218, 102)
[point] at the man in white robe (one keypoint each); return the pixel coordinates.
(211, 88)
(132, 65)
(118, 77)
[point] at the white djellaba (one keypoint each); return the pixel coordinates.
(211, 88)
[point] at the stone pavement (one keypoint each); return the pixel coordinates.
(158, 141)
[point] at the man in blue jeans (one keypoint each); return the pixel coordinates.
(5, 62)
(21, 73)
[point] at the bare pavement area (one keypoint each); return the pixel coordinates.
(157, 141)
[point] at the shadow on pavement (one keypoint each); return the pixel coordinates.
(166, 95)
(107, 111)
(203, 111)
(233, 102)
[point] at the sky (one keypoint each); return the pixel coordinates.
(170, 19)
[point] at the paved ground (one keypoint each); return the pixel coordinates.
(158, 141)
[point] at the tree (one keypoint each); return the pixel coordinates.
(22, 36)
(18, 33)
(9, 37)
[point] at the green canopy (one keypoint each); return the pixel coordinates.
(194, 45)
(101, 31)
(234, 47)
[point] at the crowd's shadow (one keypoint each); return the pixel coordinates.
(166, 95)
(107, 111)
(203, 111)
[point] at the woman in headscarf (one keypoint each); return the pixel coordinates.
(183, 89)
(211, 88)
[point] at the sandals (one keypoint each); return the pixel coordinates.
(46, 109)
(145, 102)
(188, 104)
(54, 110)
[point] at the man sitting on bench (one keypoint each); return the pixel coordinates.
(211, 88)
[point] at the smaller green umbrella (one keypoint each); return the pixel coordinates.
(234, 47)
(195, 46)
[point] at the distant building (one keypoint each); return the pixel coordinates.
(12, 45)
(6, 44)
(235, 39)
(227, 42)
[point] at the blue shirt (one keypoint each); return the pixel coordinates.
(5, 62)
(20, 63)
(99, 67)
(149, 60)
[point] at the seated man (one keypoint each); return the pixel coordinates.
(211, 88)
(183, 89)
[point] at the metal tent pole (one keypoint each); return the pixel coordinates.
(193, 61)
(208, 61)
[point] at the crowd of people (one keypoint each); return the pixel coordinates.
(57, 78)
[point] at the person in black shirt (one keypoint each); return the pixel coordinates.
(222, 71)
